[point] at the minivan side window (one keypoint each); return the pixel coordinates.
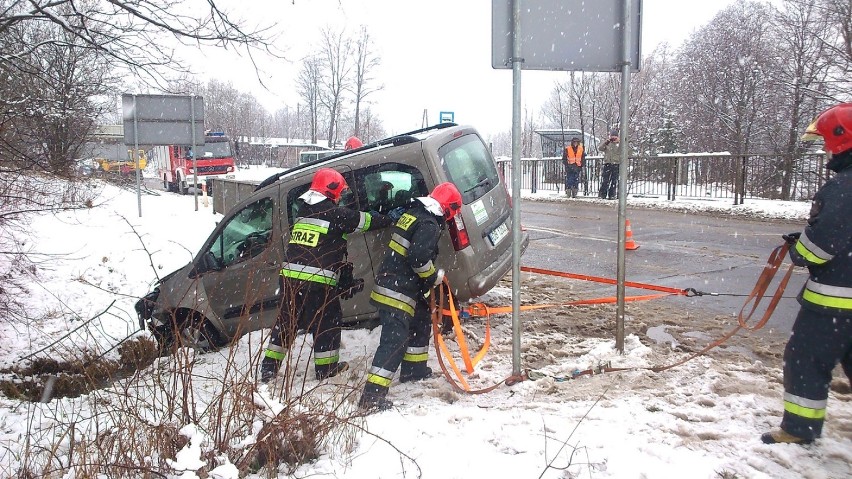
(389, 185)
(245, 235)
(469, 166)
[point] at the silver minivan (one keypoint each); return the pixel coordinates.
(231, 286)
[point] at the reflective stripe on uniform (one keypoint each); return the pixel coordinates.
(804, 407)
(826, 295)
(273, 354)
(416, 355)
(426, 270)
(309, 273)
(308, 231)
(322, 224)
(326, 357)
(811, 252)
(393, 299)
(379, 376)
(364, 221)
(399, 244)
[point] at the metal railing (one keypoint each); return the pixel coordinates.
(702, 175)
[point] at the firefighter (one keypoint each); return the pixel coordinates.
(822, 333)
(352, 143)
(403, 285)
(315, 275)
(573, 158)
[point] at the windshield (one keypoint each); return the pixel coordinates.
(469, 166)
(215, 150)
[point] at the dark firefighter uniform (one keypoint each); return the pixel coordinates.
(822, 331)
(406, 274)
(309, 278)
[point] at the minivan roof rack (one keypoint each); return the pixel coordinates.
(396, 140)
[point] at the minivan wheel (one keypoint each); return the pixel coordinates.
(200, 335)
(189, 332)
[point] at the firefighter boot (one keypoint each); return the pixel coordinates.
(374, 399)
(414, 371)
(780, 436)
(269, 369)
(330, 370)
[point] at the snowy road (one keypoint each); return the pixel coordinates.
(683, 250)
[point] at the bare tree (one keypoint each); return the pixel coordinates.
(133, 33)
(364, 84)
(724, 73)
(800, 83)
(50, 98)
(336, 53)
(836, 36)
(308, 85)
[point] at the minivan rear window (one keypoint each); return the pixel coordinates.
(469, 166)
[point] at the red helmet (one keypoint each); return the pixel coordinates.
(834, 126)
(449, 198)
(329, 182)
(352, 143)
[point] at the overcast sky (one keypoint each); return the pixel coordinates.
(436, 55)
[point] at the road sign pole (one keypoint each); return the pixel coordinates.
(136, 152)
(622, 180)
(516, 187)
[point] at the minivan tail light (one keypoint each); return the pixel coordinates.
(458, 233)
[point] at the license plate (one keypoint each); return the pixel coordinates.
(499, 233)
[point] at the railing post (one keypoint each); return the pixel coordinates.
(534, 179)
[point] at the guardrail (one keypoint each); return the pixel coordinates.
(690, 176)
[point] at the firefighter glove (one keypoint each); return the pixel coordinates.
(791, 238)
(439, 277)
(396, 213)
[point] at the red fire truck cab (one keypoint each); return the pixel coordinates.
(175, 163)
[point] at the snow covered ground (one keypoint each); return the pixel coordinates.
(702, 419)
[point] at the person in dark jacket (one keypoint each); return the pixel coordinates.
(312, 273)
(822, 333)
(573, 158)
(611, 149)
(404, 282)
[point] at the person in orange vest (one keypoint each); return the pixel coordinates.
(574, 158)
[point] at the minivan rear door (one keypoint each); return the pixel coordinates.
(487, 212)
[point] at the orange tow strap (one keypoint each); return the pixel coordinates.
(459, 383)
(757, 293)
(481, 310)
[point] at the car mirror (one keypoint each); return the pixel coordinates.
(206, 262)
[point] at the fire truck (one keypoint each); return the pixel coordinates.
(175, 163)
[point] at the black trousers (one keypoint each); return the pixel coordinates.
(609, 181)
(314, 308)
(818, 342)
(404, 340)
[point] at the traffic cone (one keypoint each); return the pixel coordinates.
(629, 244)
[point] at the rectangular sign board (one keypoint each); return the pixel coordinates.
(162, 119)
(566, 35)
